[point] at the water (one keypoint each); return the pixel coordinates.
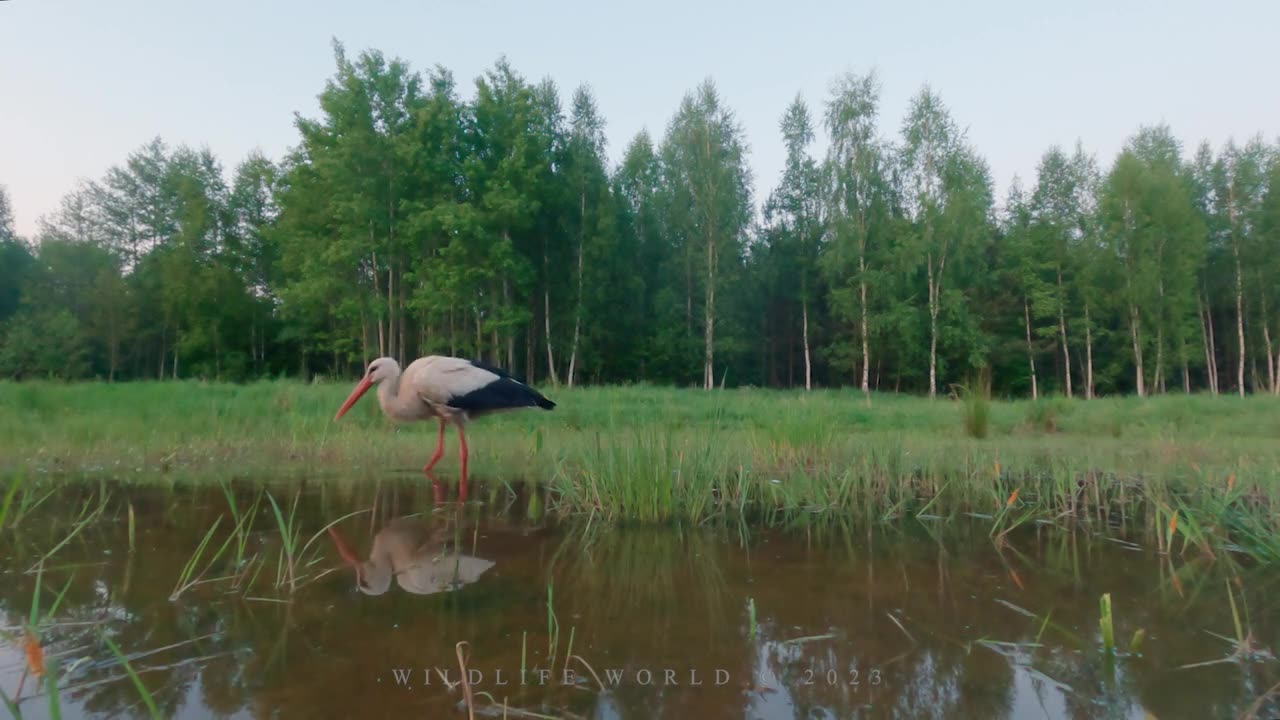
(915, 620)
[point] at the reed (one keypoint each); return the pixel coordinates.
(1105, 624)
(133, 676)
(290, 530)
(14, 483)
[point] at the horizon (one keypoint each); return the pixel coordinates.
(1096, 76)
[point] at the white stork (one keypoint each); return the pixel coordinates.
(451, 390)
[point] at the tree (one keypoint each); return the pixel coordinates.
(1056, 223)
(1019, 267)
(1156, 240)
(15, 260)
(795, 209)
(704, 159)
(638, 187)
(859, 203)
(947, 192)
(1267, 261)
(589, 180)
(1238, 186)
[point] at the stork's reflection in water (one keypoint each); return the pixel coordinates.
(418, 556)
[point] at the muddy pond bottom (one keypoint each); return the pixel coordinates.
(387, 598)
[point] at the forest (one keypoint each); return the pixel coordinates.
(408, 221)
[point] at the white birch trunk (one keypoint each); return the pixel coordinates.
(1062, 330)
(1135, 333)
(1088, 355)
(1031, 357)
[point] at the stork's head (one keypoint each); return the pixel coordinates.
(384, 368)
(372, 577)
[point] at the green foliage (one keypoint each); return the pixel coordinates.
(411, 220)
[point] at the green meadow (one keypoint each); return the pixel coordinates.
(1194, 473)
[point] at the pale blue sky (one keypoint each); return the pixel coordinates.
(83, 82)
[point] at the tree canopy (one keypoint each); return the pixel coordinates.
(408, 220)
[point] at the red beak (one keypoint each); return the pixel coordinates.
(347, 556)
(343, 550)
(361, 387)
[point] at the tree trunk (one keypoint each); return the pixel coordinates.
(404, 347)
(392, 346)
(1157, 381)
(1062, 329)
(1265, 321)
(1276, 390)
(510, 332)
(577, 325)
(1186, 377)
(1157, 378)
(933, 330)
(804, 321)
(1213, 348)
(708, 375)
(577, 313)
(1203, 312)
(1031, 356)
(377, 293)
(866, 357)
(862, 292)
(1135, 333)
(688, 297)
(1239, 317)
(1088, 354)
(1271, 369)
(546, 315)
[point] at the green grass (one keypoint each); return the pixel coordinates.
(645, 454)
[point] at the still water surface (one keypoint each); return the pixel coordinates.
(916, 620)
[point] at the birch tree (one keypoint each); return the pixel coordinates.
(947, 196)
(704, 159)
(858, 191)
(588, 178)
(794, 208)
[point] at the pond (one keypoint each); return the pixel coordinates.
(366, 597)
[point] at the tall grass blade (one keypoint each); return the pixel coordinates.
(8, 498)
(51, 681)
(10, 705)
(1235, 615)
(1104, 622)
(137, 682)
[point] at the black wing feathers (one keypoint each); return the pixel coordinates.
(492, 368)
(503, 393)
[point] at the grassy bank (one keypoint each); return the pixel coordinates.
(1200, 473)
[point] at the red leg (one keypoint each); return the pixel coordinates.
(462, 486)
(437, 490)
(439, 449)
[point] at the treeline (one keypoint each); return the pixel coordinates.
(408, 221)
